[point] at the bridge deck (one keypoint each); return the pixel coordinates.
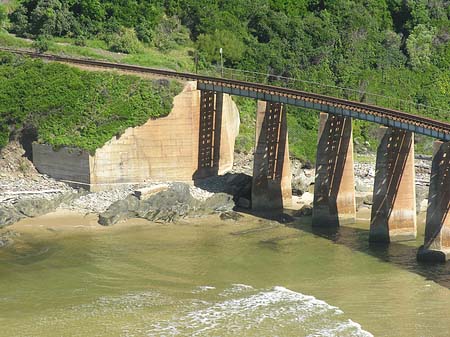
(332, 105)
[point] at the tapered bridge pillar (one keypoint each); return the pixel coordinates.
(394, 194)
(436, 247)
(334, 188)
(209, 134)
(271, 187)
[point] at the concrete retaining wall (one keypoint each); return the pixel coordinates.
(70, 164)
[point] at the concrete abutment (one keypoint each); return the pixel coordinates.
(163, 149)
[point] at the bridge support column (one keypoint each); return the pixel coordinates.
(334, 188)
(209, 133)
(394, 195)
(436, 247)
(271, 187)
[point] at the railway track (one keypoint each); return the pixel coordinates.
(438, 129)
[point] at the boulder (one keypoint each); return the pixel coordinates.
(301, 182)
(118, 211)
(36, 207)
(306, 210)
(230, 216)
(219, 202)
(9, 216)
(7, 238)
(363, 198)
(421, 196)
(166, 206)
(307, 198)
(244, 203)
(238, 185)
(363, 184)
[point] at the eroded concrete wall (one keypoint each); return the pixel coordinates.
(161, 149)
(165, 148)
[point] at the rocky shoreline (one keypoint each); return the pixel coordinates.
(29, 194)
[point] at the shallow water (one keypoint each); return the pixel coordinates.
(255, 277)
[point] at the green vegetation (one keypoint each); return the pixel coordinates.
(394, 48)
(70, 107)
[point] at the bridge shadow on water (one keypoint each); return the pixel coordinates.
(400, 254)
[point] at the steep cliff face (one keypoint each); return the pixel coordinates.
(164, 149)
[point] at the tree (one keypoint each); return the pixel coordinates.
(52, 18)
(210, 44)
(169, 33)
(124, 41)
(19, 21)
(419, 45)
(3, 16)
(41, 44)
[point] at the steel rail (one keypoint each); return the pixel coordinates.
(369, 109)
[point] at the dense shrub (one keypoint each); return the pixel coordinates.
(169, 34)
(71, 107)
(3, 16)
(124, 41)
(41, 44)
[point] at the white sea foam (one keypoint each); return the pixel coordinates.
(201, 289)
(236, 288)
(239, 310)
(269, 312)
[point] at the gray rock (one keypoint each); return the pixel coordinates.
(421, 195)
(36, 207)
(363, 198)
(306, 210)
(9, 216)
(118, 211)
(166, 206)
(7, 238)
(299, 187)
(238, 185)
(301, 182)
(244, 203)
(363, 184)
(219, 202)
(230, 216)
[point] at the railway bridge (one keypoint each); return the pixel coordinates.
(393, 216)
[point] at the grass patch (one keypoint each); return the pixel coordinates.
(9, 40)
(245, 141)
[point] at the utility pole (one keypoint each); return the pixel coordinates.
(196, 61)
(221, 61)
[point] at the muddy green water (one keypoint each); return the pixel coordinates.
(212, 278)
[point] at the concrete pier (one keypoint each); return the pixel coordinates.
(394, 194)
(334, 188)
(436, 247)
(271, 187)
